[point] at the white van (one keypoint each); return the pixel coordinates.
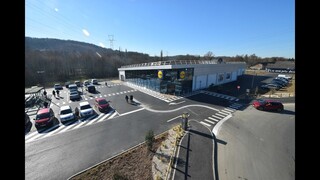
(285, 76)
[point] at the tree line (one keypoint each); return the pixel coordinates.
(51, 60)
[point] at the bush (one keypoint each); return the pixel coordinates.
(150, 139)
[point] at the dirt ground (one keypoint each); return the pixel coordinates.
(135, 164)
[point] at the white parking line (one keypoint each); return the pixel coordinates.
(131, 112)
(104, 117)
(80, 124)
(205, 123)
(114, 114)
(52, 132)
(30, 135)
(68, 127)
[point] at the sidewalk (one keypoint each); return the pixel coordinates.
(194, 156)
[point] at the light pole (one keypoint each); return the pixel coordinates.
(41, 77)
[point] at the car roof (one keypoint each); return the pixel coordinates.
(44, 110)
(65, 107)
(100, 99)
(83, 103)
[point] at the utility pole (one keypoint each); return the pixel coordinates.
(111, 41)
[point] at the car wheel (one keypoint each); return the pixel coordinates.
(260, 108)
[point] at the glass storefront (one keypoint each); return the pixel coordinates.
(166, 81)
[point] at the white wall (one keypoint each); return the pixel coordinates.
(212, 79)
(234, 76)
(201, 82)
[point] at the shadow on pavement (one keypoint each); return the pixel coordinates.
(215, 157)
(201, 134)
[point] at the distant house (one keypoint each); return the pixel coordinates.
(281, 67)
(257, 67)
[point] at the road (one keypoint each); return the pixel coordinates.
(257, 145)
(66, 150)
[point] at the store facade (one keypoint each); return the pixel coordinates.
(180, 77)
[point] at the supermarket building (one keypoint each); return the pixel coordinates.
(181, 76)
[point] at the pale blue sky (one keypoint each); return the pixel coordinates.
(177, 27)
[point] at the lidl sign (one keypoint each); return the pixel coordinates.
(182, 74)
(160, 74)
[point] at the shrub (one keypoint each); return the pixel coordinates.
(150, 139)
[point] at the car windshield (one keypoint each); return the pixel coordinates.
(261, 101)
(73, 93)
(85, 107)
(102, 102)
(42, 116)
(66, 111)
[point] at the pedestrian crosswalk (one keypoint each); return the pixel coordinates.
(221, 114)
(60, 128)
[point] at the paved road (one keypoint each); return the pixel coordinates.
(195, 154)
(257, 145)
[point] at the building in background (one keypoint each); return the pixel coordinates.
(281, 67)
(181, 76)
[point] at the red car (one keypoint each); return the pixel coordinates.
(268, 105)
(44, 118)
(102, 104)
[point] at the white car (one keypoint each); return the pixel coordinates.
(94, 81)
(57, 87)
(85, 109)
(66, 114)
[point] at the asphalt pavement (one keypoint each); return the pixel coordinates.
(194, 158)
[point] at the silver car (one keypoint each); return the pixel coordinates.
(66, 114)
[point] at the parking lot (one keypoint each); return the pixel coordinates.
(114, 93)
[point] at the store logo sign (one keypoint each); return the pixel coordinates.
(160, 74)
(182, 74)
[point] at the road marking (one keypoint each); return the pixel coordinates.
(80, 124)
(68, 127)
(174, 118)
(34, 137)
(96, 119)
(114, 114)
(109, 94)
(209, 121)
(228, 112)
(105, 95)
(216, 128)
(131, 111)
(173, 103)
(104, 117)
(213, 119)
(113, 94)
(100, 96)
(205, 123)
(63, 102)
(220, 115)
(30, 135)
(224, 113)
(52, 132)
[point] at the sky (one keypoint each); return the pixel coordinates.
(265, 28)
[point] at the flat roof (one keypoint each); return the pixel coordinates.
(33, 90)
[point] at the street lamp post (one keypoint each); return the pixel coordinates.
(41, 77)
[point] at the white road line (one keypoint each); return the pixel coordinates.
(34, 137)
(91, 97)
(70, 101)
(121, 92)
(113, 115)
(124, 91)
(131, 111)
(209, 121)
(63, 102)
(220, 115)
(57, 104)
(109, 94)
(100, 96)
(117, 93)
(173, 118)
(205, 123)
(224, 113)
(30, 135)
(113, 94)
(80, 124)
(213, 119)
(52, 132)
(68, 127)
(104, 117)
(228, 112)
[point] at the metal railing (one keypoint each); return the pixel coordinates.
(178, 62)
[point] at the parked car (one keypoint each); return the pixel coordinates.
(94, 81)
(44, 118)
(102, 104)
(74, 95)
(26, 120)
(66, 114)
(67, 84)
(267, 105)
(85, 109)
(57, 87)
(78, 83)
(270, 86)
(282, 79)
(281, 84)
(86, 82)
(73, 87)
(91, 88)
